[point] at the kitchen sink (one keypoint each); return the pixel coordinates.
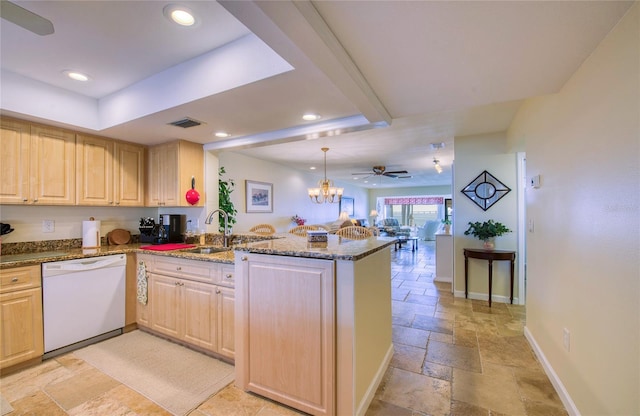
(207, 250)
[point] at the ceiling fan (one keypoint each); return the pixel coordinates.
(25, 18)
(381, 171)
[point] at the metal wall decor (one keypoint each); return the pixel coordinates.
(485, 190)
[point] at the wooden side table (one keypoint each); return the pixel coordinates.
(490, 256)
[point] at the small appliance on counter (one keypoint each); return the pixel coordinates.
(171, 229)
(175, 227)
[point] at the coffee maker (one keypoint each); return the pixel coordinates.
(175, 227)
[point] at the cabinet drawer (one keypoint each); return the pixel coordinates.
(227, 276)
(19, 278)
(186, 269)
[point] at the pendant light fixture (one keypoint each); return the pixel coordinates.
(325, 192)
(436, 164)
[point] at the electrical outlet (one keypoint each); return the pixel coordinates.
(48, 226)
(566, 338)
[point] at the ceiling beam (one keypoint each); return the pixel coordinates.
(296, 27)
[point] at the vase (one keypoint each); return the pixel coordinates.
(489, 243)
(447, 229)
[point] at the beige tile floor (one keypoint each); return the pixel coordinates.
(452, 357)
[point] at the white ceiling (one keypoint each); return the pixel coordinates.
(431, 69)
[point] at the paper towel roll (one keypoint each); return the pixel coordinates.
(90, 234)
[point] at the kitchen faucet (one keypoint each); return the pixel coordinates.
(225, 238)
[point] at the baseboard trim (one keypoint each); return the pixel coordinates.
(553, 377)
(485, 297)
(371, 391)
(444, 279)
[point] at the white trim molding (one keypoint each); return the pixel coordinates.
(569, 405)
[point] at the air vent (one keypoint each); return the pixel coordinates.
(186, 122)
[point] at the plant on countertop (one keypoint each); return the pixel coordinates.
(298, 220)
(224, 200)
(446, 222)
(485, 230)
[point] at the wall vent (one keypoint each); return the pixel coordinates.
(186, 122)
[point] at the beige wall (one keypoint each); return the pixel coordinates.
(473, 155)
(583, 256)
(290, 193)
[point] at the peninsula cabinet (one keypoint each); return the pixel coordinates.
(109, 172)
(314, 333)
(38, 164)
(190, 301)
(170, 167)
(21, 333)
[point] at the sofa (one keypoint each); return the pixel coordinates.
(391, 227)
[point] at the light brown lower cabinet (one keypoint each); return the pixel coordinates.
(21, 331)
(313, 334)
(188, 302)
(288, 339)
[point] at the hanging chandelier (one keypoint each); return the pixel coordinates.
(325, 192)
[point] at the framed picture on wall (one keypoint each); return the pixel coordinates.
(347, 204)
(259, 196)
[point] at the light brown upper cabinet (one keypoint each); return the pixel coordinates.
(38, 164)
(109, 172)
(170, 167)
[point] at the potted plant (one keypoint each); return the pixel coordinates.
(446, 226)
(487, 231)
(224, 200)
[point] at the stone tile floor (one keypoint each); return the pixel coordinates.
(452, 357)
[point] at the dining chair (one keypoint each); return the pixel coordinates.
(374, 230)
(355, 232)
(301, 230)
(263, 229)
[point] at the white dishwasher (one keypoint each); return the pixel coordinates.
(83, 301)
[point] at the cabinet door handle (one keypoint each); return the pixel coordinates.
(35, 200)
(110, 202)
(228, 276)
(217, 290)
(244, 258)
(178, 268)
(14, 280)
(24, 199)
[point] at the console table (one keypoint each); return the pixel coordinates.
(490, 256)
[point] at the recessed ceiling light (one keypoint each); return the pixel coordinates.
(222, 134)
(179, 14)
(311, 117)
(77, 76)
(312, 168)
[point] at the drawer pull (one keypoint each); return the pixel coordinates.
(178, 268)
(217, 290)
(244, 258)
(228, 276)
(14, 280)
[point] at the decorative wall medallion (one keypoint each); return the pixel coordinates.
(485, 190)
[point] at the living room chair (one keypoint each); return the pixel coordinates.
(355, 232)
(301, 230)
(263, 229)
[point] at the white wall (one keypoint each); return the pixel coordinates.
(473, 155)
(583, 256)
(289, 190)
(27, 220)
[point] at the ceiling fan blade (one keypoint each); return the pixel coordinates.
(363, 173)
(395, 172)
(26, 19)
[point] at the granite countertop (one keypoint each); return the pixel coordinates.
(284, 244)
(336, 248)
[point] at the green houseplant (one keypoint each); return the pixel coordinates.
(486, 231)
(225, 187)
